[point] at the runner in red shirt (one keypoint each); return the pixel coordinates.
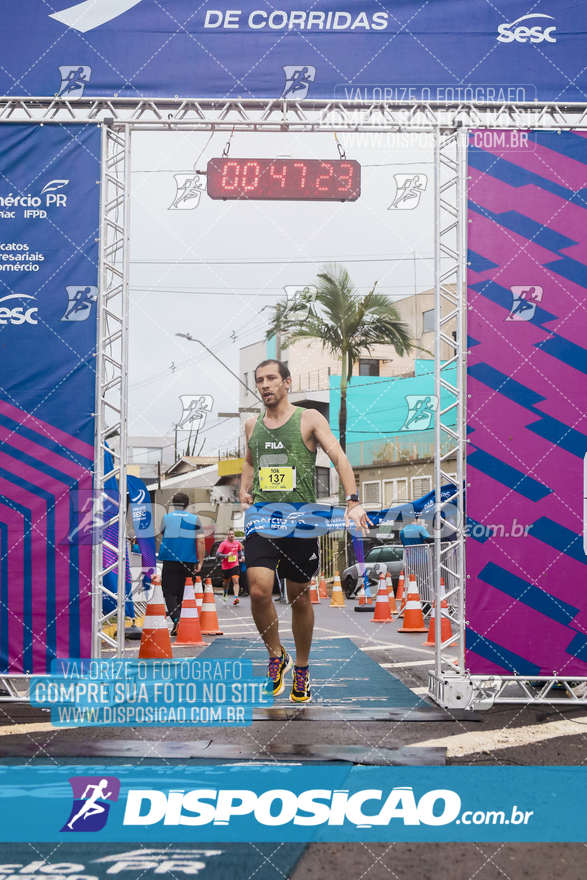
(231, 553)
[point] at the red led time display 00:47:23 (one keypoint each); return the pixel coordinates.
(336, 180)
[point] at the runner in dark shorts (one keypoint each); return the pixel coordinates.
(230, 552)
(280, 466)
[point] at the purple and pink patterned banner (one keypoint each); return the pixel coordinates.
(526, 603)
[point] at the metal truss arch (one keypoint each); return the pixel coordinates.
(279, 115)
(450, 684)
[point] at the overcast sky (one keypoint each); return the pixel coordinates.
(214, 271)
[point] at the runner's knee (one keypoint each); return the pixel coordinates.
(299, 594)
(259, 595)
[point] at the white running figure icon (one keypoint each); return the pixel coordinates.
(91, 808)
(92, 13)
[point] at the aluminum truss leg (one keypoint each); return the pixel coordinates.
(449, 684)
(111, 416)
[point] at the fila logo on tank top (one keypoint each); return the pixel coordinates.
(284, 467)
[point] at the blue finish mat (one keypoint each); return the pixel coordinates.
(240, 861)
(342, 675)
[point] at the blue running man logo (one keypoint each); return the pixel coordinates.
(90, 802)
(297, 81)
(74, 79)
(524, 301)
(80, 302)
(421, 409)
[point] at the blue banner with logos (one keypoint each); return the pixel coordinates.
(49, 218)
(449, 50)
(236, 803)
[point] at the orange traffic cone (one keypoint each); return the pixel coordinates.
(188, 630)
(209, 618)
(413, 617)
(392, 605)
(314, 598)
(155, 641)
(445, 626)
(401, 595)
(322, 591)
(362, 597)
(199, 595)
(382, 609)
(337, 596)
(389, 588)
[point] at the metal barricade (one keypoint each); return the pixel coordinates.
(419, 560)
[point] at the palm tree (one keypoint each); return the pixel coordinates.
(347, 324)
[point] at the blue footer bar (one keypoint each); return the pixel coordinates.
(235, 803)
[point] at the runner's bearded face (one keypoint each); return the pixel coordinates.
(271, 386)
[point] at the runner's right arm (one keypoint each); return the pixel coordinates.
(245, 497)
(219, 553)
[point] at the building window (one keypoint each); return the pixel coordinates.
(322, 482)
(371, 492)
(368, 367)
(420, 487)
(395, 491)
(247, 384)
(428, 321)
(146, 454)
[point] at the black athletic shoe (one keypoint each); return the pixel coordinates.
(174, 630)
(300, 692)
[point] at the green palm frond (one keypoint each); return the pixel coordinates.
(341, 319)
(346, 323)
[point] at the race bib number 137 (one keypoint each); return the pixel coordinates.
(277, 479)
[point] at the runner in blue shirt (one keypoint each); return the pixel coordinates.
(182, 551)
(414, 533)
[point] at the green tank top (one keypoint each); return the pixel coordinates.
(282, 459)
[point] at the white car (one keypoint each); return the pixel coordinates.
(386, 558)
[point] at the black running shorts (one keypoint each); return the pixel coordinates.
(228, 573)
(298, 557)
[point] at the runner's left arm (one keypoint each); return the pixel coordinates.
(326, 439)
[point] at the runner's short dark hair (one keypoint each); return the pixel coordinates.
(283, 368)
(180, 498)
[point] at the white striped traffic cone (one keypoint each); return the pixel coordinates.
(382, 609)
(188, 630)
(209, 618)
(337, 594)
(155, 641)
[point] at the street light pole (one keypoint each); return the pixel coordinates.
(193, 339)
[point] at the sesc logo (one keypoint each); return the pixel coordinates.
(18, 314)
(522, 33)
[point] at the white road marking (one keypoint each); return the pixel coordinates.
(408, 663)
(508, 738)
(397, 645)
(33, 727)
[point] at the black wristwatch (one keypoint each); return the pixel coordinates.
(353, 497)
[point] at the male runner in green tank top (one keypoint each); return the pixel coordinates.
(280, 467)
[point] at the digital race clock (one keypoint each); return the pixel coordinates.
(332, 180)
